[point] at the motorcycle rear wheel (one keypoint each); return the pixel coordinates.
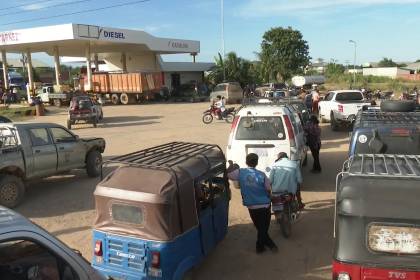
(207, 118)
(229, 118)
(286, 223)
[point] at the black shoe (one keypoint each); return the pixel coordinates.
(260, 249)
(274, 248)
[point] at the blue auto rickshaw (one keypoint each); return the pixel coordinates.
(160, 211)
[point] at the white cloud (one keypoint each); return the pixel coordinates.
(153, 28)
(42, 5)
(264, 8)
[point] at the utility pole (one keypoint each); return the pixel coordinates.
(222, 19)
(354, 61)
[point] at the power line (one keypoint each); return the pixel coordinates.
(26, 4)
(78, 12)
(48, 7)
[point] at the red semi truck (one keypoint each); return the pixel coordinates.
(125, 88)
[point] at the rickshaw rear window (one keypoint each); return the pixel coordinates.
(394, 239)
(127, 214)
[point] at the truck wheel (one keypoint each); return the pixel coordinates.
(115, 99)
(12, 190)
(124, 99)
(94, 163)
(333, 123)
(68, 124)
(57, 102)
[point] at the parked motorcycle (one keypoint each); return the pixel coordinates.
(285, 207)
(228, 115)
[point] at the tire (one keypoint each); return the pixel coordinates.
(321, 119)
(334, 125)
(57, 102)
(68, 124)
(285, 222)
(125, 99)
(94, 164)
(398, 106)
(12, 190)
(207, 118)
(229, 118)
(115, 99)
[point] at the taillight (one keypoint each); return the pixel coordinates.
(340, 108)
(98, 248)
(234, 123)
(290, 131)
(155, 259)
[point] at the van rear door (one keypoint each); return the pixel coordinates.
(262, 135)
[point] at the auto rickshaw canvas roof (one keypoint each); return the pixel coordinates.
(72, 39)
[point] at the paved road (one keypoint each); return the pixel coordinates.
(64, 205)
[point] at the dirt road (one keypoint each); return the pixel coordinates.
(64, 205)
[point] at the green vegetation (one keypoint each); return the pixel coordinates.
(388, 62)
(18, 113)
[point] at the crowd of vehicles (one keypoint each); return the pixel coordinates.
(376, 230)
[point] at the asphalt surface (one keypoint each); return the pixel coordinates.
(64, 205)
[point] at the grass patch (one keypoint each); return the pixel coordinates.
(18, 113)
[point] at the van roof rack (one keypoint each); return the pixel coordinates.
(374, 116)
(166, 155)
(384, 165)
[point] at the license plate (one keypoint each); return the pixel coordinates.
(155, 272)
(261, 152)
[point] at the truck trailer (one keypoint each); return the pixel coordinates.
(125, 88)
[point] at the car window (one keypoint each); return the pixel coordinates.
(220, 88)
(329, 96)
(260, 128)
(24, 259)
(349, 96)
(61, 135)
(39, 137)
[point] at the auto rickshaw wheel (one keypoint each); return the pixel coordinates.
(229, 118)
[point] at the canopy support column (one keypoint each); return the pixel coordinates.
(57, 66)
(96, 62)
(88, 69)
(5, 69)
(124, 62)
(30, 71)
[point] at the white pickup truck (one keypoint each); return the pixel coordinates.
(340, 107)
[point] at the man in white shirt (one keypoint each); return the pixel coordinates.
(315, 99)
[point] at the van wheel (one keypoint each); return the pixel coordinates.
(229, 118)
(12, 190)
(94, 163)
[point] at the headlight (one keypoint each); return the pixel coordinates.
(394, 239)
(343, 276)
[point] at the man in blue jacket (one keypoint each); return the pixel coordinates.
(255, 190)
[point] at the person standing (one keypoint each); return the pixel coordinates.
(315, 99)
(308, 101)
(313, 137)
(255, 190)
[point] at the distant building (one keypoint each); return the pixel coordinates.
(391, 72)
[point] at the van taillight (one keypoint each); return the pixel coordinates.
(290, 131)
(234, 123)
(340, 108)
(156, 259)
(98, 248)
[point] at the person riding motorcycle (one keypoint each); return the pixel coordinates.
(285, 176)
(220, 105)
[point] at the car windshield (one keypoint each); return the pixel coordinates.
(220, 88)
(349, 96)
(393, 141)
(260, 128)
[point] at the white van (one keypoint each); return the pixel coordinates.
(267, 130)
(231, 91)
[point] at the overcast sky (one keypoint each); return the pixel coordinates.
(381, 28)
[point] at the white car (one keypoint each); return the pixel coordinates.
(341, 107)
(267, 130)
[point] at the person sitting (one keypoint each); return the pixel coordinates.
(219, 104)
(285, 176)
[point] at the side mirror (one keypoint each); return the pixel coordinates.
(77, 137)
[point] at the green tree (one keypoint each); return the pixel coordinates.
(283, 53)
(333, 69)
(235, 69)
(387, 62)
